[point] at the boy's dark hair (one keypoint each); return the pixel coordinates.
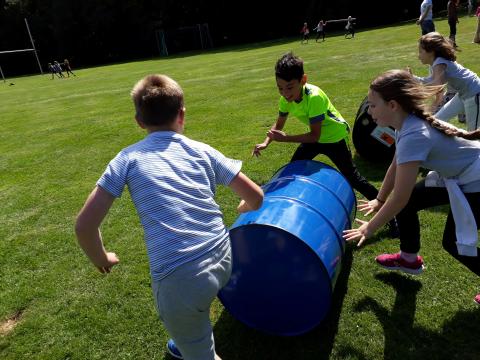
(158, 99)
(289, 67)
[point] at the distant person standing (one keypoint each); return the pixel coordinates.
(67, 68)
(470, 7)
(52, 70)
(320, 29)
(426, 17)
(452, 6)
(305, 33)
(350, 28)
(476, 38)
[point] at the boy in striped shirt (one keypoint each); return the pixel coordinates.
(172, 181)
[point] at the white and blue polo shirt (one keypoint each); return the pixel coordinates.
(172, 181)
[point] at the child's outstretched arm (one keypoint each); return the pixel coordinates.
(368, 207)
(250, 193)
(88, 233)
(438, 75)
(310, 137)
(405, 179)
(279, 124)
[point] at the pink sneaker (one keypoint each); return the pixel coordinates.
(395, 262)
(477, 299)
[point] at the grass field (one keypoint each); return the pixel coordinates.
(56, 138)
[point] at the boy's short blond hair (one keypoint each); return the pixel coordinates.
(157, 99)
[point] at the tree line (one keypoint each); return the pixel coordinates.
(92, 32)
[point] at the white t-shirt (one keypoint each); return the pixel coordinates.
(423, 7)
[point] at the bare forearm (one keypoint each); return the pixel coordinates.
(267, 141)
(87, 226)
(301, 138)
(405, 178)
(388, 183)
(250, 193)
(90, 240)
(278, 125)
(387, 212)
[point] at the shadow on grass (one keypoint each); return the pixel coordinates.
(233, 340)
(372, 171)
(458, 338)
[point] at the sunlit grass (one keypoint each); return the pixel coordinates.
(57, 137)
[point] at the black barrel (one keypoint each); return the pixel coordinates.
(372, 142)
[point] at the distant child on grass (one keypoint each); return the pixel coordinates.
(172, 181)
(320, 29)
(452, 7)
(52, 70)
(476, 37)
(397, 99)
(327, 131)
(67, 67)
(58, 68)
(350, 28)
(305, 33)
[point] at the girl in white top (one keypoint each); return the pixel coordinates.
(397, 99)
(320, 29)
(438, 52)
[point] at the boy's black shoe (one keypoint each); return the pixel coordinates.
(393, 230)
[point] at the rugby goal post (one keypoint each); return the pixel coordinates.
(33, 49)
(186, 38)
(339, 20)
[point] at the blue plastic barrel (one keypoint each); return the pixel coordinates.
(287, 255)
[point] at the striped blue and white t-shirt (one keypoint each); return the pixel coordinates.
(172, 181)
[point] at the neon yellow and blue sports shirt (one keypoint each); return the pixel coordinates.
(315, 107)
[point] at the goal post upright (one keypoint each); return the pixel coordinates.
(33, 46)
(185, 38)
(161, 43)
(33, 49)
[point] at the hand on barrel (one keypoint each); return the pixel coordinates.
(243, 207)
(361, 233)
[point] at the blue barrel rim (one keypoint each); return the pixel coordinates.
(238, 315)
(326, 165)
(302, 241)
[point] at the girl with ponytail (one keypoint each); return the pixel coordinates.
(438, 52)
(397, 99)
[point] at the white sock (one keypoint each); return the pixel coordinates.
(409, 257)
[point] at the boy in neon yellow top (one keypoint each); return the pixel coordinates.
(327, 132)
(315, 107)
